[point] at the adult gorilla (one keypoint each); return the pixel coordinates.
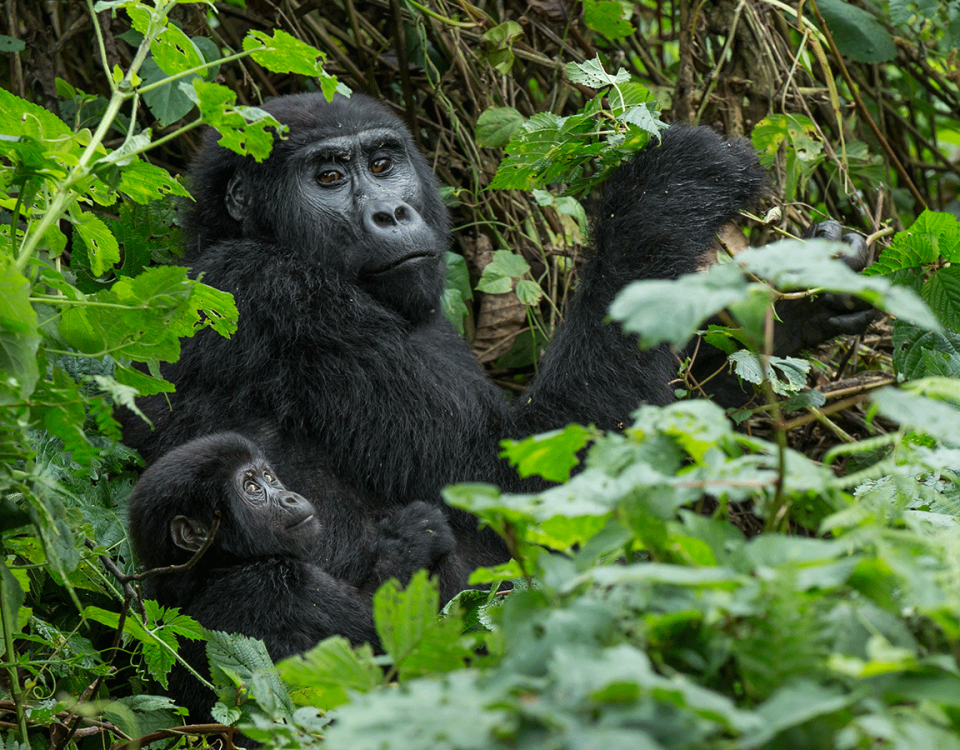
(345, 370)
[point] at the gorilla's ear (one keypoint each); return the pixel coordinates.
(188, 533)
(236, 198)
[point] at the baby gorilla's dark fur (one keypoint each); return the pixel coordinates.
(259, 576)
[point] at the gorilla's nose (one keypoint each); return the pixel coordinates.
(389, 216)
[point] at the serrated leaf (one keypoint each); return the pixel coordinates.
(551, 455)
(144, 182)
(451, 712)
(591, 73)
(417, 639)
(932, 235)
(942, 293)
(528, 292)
(14, 111)
(284, 53)
(236, 659)
(245, 130)
(496, 126)
(102, 248)
(791, 264)
(691, 299)
(326, 673)
(174, 52)
(787, 375)
(929, 416)
(911, 344)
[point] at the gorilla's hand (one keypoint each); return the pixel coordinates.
(858, 257)
(416, 536)
(809, 322)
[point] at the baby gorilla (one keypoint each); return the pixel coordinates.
(259, 575)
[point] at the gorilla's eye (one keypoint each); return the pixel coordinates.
(330, 176)
(268, 475)
(381, 165)
(251, 487)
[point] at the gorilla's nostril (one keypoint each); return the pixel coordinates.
(383, 219)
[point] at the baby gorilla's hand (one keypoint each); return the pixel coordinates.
(413, 537)
(421, 530)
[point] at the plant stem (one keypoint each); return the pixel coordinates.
(15, 692)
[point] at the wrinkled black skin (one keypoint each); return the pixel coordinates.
(259, 577)
(354, 380)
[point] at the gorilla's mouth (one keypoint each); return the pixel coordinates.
(297, 524)
(410, 258)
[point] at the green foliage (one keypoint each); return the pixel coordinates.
(638, 613)
(667, 629)
(920, 258)
(858, 34)
(84, 326)
(605, 17)
(582, 149)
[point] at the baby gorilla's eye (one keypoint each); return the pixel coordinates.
(379, 166)
(330, 176)
(251, 487)
(268, 475)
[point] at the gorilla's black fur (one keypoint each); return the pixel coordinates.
(344, 367)
(259, 576)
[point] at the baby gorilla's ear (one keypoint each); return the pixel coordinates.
(188, 533)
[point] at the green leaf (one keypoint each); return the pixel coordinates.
(9, 44)
(284, 53)
(787, 375)
(497, 44)
(691, 299)
(174, 52)
(451, 713)
(102, 248)
(857, 32)
(528, 292)
(411, 632)
(323, 675)
(496, 126)
(791, 264)
(499, 274)
(912, 346)
(236, 660)
(11, 599)
(167, 103)
(18, 116)
(929, 416)
(793, 705)
(551, 455)
(19, 335)
(144, 182)
(245, 130)
(591, 73)
(932, 236)
(606, 17)
(456, 290)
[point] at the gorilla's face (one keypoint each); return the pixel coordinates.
(355, 202)
(367, 184)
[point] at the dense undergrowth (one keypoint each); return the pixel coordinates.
(784, 578)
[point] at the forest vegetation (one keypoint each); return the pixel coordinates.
(787, 575)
